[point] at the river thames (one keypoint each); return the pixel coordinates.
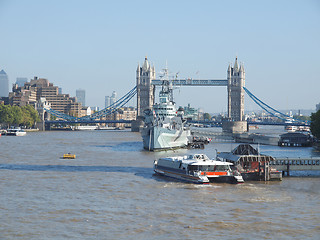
(110, 192)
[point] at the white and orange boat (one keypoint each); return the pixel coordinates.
(197, 168)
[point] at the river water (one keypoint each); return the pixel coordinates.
(109, 192)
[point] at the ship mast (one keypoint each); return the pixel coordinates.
(167, 87)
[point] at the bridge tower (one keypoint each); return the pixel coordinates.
(236, 82)
(40, 106)
(145, 90)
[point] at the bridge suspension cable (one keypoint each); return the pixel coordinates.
(268, 108)
(104, 112)
(113, 107)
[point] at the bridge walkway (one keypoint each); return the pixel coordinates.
(296, 164)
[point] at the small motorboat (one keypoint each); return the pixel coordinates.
(15, 132)
(69, 156)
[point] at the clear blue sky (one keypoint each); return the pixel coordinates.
(96, 46)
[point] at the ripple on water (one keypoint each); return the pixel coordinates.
(110, 190)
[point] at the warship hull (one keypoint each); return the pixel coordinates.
(158, 138)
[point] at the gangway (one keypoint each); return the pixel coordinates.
(193, 82)
(296, 164)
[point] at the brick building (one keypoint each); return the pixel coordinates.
(32, 91)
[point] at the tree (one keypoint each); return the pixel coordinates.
(6, 115)
(26, 117)
(15, 115)
(34, 115)
(206, 116)
(315, 124)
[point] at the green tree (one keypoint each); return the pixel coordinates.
(34, 115)
(206, 116)
(26, 117)
(6, 115)
(315, 124)
(17, 115)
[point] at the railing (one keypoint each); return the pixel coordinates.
(296, 164)
(193, 82)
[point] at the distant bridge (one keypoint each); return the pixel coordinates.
(89, 121)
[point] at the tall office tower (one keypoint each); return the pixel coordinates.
(81, 96)
(21, 81)
(4, 84)
(60, 90)
(106, 101)
(113, 98)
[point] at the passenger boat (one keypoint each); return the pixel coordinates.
(197, 168)
(84, 128)
(15, 132)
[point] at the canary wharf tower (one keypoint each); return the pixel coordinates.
(4, 84)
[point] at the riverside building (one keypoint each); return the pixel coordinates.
(38, 88)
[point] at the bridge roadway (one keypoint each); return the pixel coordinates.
(194, 82)
(86, 121)
(211, 123)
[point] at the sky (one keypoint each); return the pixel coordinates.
(96, 45)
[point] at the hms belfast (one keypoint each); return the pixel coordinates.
(163, 125)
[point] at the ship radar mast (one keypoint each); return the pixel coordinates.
(167, 87)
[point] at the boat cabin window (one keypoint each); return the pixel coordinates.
(219, 168)
(200, 168)
(210, 168)
(163, 99)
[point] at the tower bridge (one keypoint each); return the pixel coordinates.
(146, 83)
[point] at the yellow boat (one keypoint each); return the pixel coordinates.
(69, 156)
